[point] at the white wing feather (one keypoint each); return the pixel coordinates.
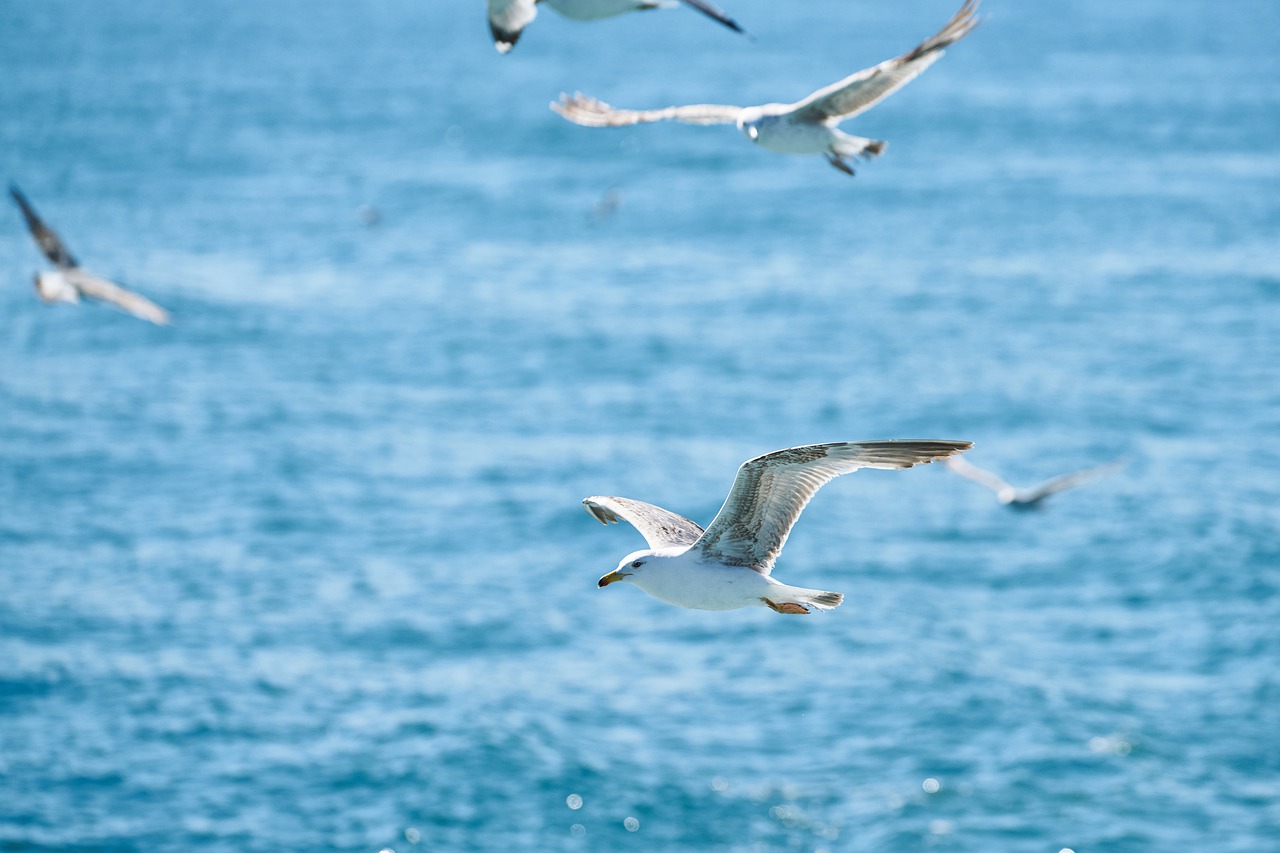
(589, 112)
(659, 527)
(981, 476)
(107, 291)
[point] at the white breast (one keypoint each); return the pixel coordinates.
(782, 134)
(686, 581)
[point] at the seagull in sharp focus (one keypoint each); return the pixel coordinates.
(808, 126)
(728, 565)
(508, 18)
(69, 281)
(1029, 498)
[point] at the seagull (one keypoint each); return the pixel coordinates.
(1029, 498)
(728, 565)
(69, 281)
(808, 126)
(508, 18)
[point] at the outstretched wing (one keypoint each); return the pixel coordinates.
(1068, 481)
(659, 527)
(978, 475)
(507, 20)
(714, 12)
(866, 88)
(770, 491)
(108, 291)
(590, 112)
(45, 237)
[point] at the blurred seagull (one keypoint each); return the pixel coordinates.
(807, 126)
(508, 18)
(608, 204)
(69, 282)
(727, 565)
(1029, 498)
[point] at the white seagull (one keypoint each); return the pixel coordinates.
(727, 565)
(508, 18)
(1029, 498)
(808, 126)
(69, 281)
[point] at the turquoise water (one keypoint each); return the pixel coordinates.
(308, 570)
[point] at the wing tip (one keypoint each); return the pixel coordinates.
(596, 511)
(504, 39)
(582, 109)
(718, 15)
(910, 452)
(933, 449)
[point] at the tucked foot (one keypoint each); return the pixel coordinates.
(844, 166)
(785, 607)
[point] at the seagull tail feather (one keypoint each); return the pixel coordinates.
(816, 598)
(848, 145)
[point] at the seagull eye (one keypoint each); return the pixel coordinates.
(636, 564)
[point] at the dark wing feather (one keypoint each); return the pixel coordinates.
(507, 20)
(715, 13)
(45, 237)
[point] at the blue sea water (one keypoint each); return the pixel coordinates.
(308, 570)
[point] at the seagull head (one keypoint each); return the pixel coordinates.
(630, 565)
(763, 120)
(52, 286)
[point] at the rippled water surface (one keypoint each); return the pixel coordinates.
(307, 570)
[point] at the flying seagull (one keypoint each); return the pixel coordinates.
(1029, 498)
(727, 565)
(808, 126)
(508, 18)
(69, 281)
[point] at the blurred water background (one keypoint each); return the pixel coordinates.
(308, 570)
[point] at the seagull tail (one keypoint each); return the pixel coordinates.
(815, 598)
(848, 145)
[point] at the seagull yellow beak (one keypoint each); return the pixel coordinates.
(612, 577)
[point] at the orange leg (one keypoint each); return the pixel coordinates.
(844, 166)
(785, 607)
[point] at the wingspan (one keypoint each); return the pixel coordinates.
(861, 91)
(108, 291)
(507, 20)
(589, 112)
(770, 492)
(659, 527)
(45, 237)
